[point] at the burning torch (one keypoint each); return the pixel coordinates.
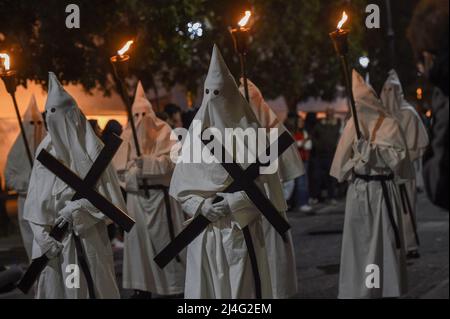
(9, 78)
(241, 37)
(120, 63)
(340, 41)
(120, 66)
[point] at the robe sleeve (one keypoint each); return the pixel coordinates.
(191, 204)
(391, 150)
(41, 235)
(242, 209)
(155, 170)
(389, 156)
(86, 216)
(416, 135)
(157, 166)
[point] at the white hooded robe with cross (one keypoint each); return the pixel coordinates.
(72, 141)
(218, 262)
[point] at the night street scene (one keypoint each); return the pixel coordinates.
(216, 158)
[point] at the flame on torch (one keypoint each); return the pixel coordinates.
(243, 22)
(343, 20)
(6, 61)
(125, 48)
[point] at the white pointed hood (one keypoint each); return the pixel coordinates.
(32, 113)
(153, 133)
(395, 103)
(392, 94)
(364, 94)
(291, 165)
(223, 106)
(17, 171)
(141, 105)
(72, 140)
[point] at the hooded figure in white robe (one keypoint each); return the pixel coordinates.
(18, 169)
(283, 270)
(218, 262)
(417, 141)
(72, 141)
(152, 231)
(373, 258)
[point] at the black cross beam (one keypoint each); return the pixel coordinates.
(84, 189)
(243, 180)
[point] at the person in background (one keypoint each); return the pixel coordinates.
(112, 127)
(310, 123)
(188, 116)
(304, 144)
(428, 34)
(325, 137)
(173, 113)
(95, 127)
(159, 217)
(289, 186)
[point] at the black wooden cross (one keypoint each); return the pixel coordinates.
(243, 180)
(84, 189)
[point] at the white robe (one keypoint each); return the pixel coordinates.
(218, 265)
(368, 237)
(71, 140)
(91, 228)
(151, 231)
(417, 141)
(149, 236)
(282, 264)
(18, 169)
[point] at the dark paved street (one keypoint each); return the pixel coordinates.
(317, 241)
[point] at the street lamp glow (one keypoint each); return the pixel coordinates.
(195, 29)
(364, 61)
